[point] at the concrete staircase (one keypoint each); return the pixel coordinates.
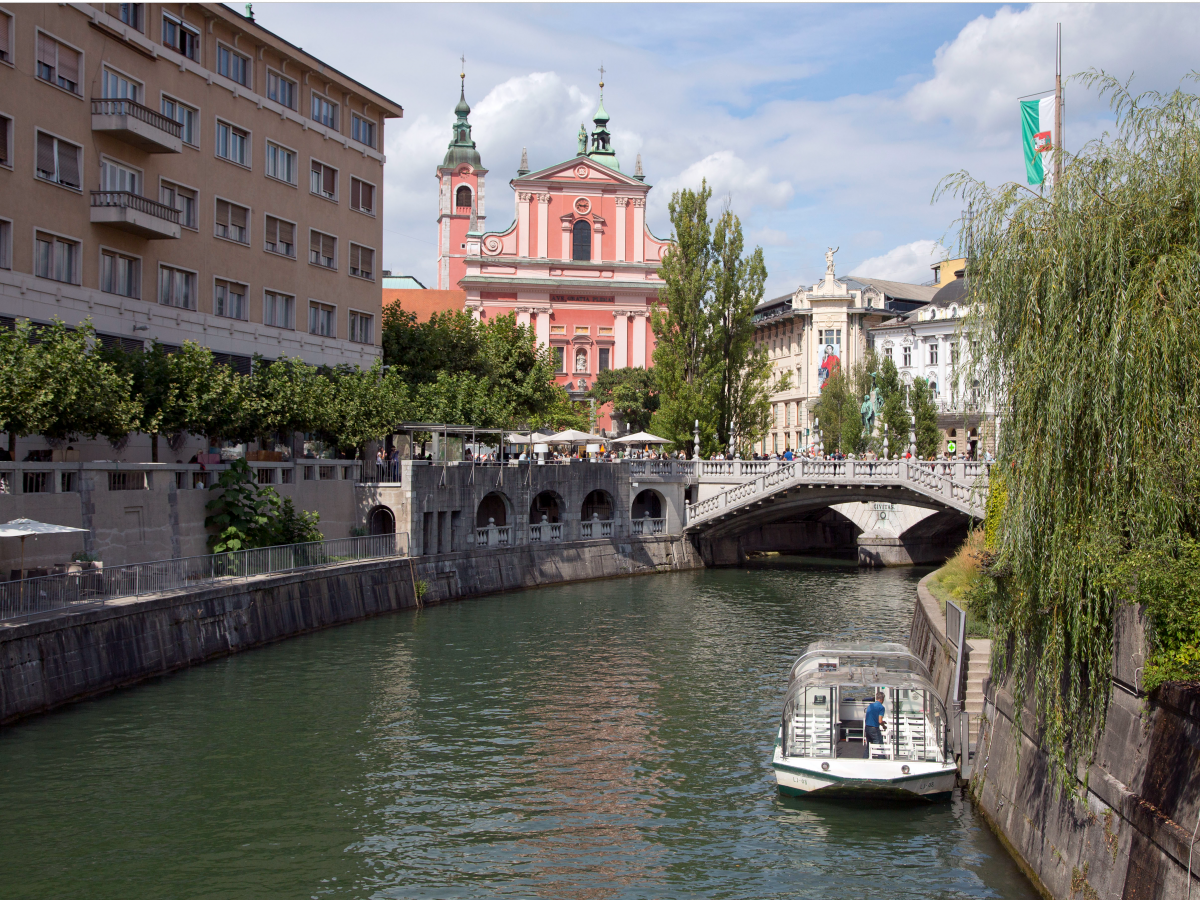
(979, 665)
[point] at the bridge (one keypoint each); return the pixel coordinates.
(745, 505)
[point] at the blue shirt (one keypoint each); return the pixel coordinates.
(874, 711)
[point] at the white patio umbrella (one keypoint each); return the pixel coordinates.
(517, 439)
(642, 437)
(24, 528)
(571, 436)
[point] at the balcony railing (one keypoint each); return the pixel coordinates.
(597, 528)
(647, 526)
(130, 200)
(545, 531)
(121, 107)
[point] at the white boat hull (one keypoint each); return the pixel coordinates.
(802, 776)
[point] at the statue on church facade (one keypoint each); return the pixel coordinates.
(583, 141)
(829, 262)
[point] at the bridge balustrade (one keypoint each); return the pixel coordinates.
(647, 526)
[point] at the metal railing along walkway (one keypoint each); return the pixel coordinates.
(51, 592)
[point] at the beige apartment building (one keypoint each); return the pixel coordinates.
(177, 172)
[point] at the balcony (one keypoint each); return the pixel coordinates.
(136, 214)
(137, 125)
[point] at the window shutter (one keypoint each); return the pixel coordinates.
(237, 216)
(286, 232)
(3, 133)
(46, 50)
(272, 231)
(329, 248)
(368, 198)
(68, 164)
(355, 193)
(223, 212)
(45, 153)
(330, 181)
(5, 47)
(68, 64)
(355, 254)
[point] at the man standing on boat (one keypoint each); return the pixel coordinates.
(874, 720)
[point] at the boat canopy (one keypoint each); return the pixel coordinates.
(823, 659)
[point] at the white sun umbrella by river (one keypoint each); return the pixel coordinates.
(24, 528)
(571, 436)
(642, 437)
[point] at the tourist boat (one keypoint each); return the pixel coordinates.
(821, 748)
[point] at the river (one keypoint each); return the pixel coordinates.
(600, 740)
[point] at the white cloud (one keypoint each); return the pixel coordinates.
(731, 176)
(908, 262)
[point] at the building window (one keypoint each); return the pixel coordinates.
(58, 160)
(132, 14)
(558, 329)
(462, 197)
(233, 65)
(176, 287)
(933, 348)
(183, 199)
(181, 37)
(907, 357)
(323, 180)
(362, 130)
(229, 299)
(887, 352)
(362, 196)
(583, 329)
(787, 415)
(56, 258)
(6, 132)
(57, 63)
(5, 244)
(6, 33)
(280, 237)
(233, 143)
(188, 118)
(560, 364)
(115, 86)
(281, 163)
(232, 222)
(604, 357)
(281, 90)
(605, 331)
(581, 359)
(324, 111)
(321, 319)
(120, 274)
(117, 177)
(279, 310)
(362, 262)
(581, 241)
(362, 328)
(322, 249)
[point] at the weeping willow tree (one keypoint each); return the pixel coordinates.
(1086, 298)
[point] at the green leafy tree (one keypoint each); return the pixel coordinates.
(633, 393)
(1086, 303)
(679, 321)
(924, 409)
(239, 513)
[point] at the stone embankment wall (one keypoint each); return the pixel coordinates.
(56, 658)
(1127, 834)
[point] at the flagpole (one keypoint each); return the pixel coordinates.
(1058, 109)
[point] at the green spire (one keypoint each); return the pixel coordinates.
(462, 147)
(602, 150)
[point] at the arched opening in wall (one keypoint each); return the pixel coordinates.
(462, 197)
(952, 433)
(581, 360)
(597, 505)
(546, 507)
(492, 507)
(581, 241)
(647, 505)
(381, 521)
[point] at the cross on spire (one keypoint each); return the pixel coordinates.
(463, 74)
(602, 76)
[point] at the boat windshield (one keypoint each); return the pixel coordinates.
(824, 657)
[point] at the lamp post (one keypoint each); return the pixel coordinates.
(696, 446)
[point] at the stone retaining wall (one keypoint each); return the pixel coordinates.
(56, 658)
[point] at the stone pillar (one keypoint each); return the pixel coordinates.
(542, 327)
(639, 339)
(621, 334)
(567, 222)
(543, 209)
(523, 314)
(597, 239)
(622, 214)
(639, 229)
(523, 198)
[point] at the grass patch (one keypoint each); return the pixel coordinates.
(956, 579)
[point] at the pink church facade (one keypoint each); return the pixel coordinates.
(577, 264)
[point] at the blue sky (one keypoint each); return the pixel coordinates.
(822, 124)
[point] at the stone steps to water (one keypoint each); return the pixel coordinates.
(978, 668)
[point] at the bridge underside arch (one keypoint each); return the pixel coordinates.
(801, 520)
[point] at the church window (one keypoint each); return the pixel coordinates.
(462, 197)
(559, 364)
(604, 360)
(581, 244)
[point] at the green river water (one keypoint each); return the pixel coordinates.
(599, 740)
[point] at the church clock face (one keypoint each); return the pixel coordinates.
(582, 206)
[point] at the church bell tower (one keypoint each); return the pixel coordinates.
(460, 207)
